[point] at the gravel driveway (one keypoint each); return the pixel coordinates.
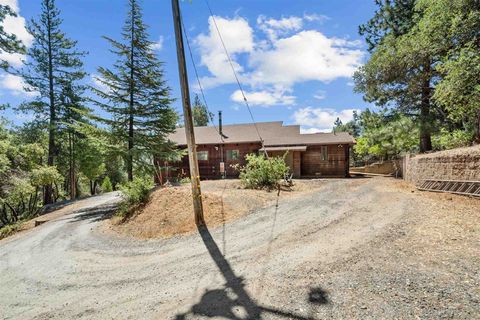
(297, 261)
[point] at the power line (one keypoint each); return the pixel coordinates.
(235, 74)
(209, 114)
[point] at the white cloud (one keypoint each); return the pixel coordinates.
(264, 98)
(16, 25)
(13, 4)
(157, 46)
(13, 59)
(275, 28)
(313, 130)
(315, 17)
(271, 66)
(15, 85)
(96, 79)
(321, 118)
(238, 38)
(320, 95)
(307, 55)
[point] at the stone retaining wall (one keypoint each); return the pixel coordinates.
(456, 164)
(386, 167)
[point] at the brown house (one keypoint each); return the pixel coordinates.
(309, 155)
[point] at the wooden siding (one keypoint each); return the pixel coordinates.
(313, 165)
(210, 169)
(297, 164)
(302, 164)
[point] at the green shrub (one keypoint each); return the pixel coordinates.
(261, 172)
(135, 193)
(107, 185)
(185, 180)
(449, 140)
(9, 229)
(46, 175)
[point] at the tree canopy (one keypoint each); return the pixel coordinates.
(423, 63)
(137, 95)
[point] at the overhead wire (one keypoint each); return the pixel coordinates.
(236, 77)
(210, 117)
(271, 238)
(209, 114)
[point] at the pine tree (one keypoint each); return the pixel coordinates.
(392, 17)
(200, 114)
(73, 115)
(8, 42)
(398, 73)
(53, 64)
(137, 97)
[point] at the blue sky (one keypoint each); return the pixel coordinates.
(294, 58)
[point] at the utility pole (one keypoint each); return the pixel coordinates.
(187, 115)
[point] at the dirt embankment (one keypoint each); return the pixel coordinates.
(170, 210)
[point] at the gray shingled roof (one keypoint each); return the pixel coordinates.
(273, 134)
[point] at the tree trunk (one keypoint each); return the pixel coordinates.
(131, 102)
(425, 119)
(477, 128)
(14, 214)
(3, 215)
(73, 185)
(35, 199)
(30, 204)
(48, 198)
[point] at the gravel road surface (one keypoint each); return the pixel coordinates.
(276, 263)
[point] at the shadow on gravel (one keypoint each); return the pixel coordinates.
(94, 214)
(233, 301)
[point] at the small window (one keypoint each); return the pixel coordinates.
(233, 154)
(202, 155)
(324, 153)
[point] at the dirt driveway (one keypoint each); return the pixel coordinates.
(358, 248)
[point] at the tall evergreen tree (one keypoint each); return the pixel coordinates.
(200, 113)
(398, 72)
(392, 17)
(74, 114)
(137, 97)
(450, 29)
(53, 64)
(8, 41)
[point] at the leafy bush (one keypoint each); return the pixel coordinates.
(261, 172)
(185, 180)
(107, 185)
(44, 176)
(135, 194)
(449, 140)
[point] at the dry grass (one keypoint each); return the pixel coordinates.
(170, 210)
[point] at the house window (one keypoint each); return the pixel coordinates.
(324, 153)
(233, 154)
(202, 155)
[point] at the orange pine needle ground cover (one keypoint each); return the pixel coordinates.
(170, 210)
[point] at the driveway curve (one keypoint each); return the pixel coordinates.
(70, 268)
